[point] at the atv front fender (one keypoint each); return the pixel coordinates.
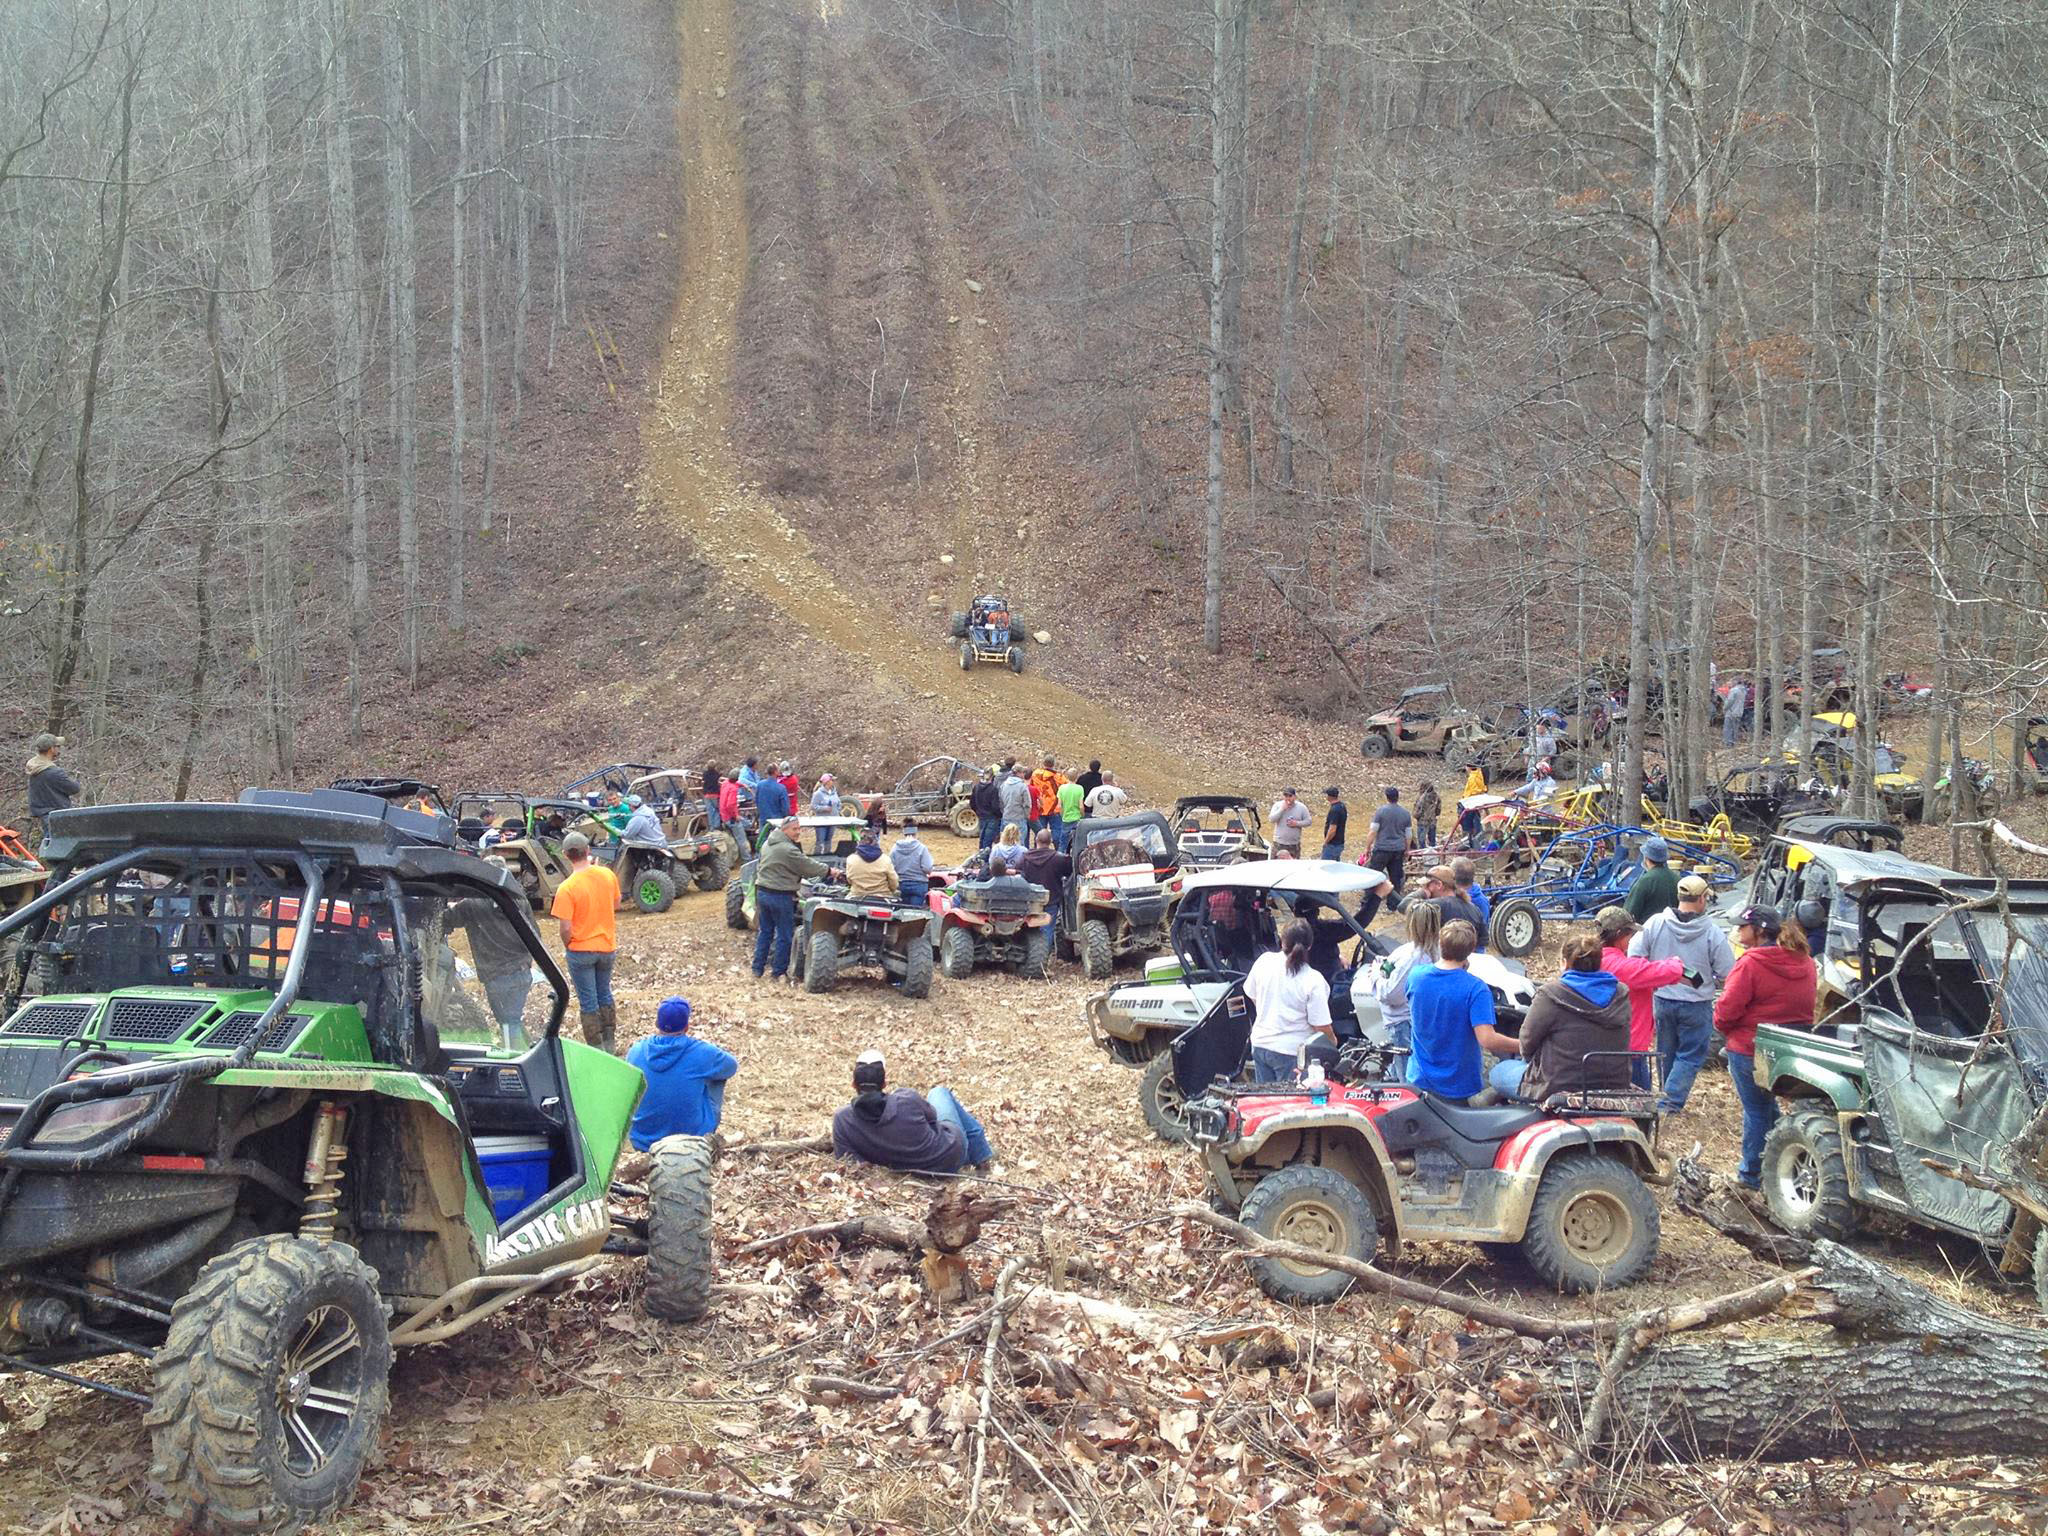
(1797, 1064)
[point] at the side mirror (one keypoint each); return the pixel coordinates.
(1810, 913)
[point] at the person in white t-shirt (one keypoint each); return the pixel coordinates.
(1105, 799)
(1291, 1001)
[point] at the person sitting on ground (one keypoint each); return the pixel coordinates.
(913, 861)
(870, 876)
(1452, 1019)
(1656, 888)
(1291, 1003)
(643, 826)
(1576, 1035)
(686, 1079)
(1773, 983)
(904, 1129)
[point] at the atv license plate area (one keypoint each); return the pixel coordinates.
(1123, 877)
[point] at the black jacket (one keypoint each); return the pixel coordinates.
(908, 1134)
(986, 800)
(1562, 1027)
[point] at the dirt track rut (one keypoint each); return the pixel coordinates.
(691, 471)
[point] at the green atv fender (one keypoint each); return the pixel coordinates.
(1797, 1063)
(574, 1221)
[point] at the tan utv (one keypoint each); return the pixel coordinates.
(1125, 885)
(1424, 722)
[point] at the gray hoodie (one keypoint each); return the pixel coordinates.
(1016, 799)
(1695, 940)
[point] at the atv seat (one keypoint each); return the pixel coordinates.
(1495, 1123)
(1472, 1136)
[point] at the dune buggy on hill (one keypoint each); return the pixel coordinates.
(989, 631)
(244, 1143)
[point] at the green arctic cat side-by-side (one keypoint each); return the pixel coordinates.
(258, 1131)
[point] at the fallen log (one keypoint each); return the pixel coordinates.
(1882, 1366)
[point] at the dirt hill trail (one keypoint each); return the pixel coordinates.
(691, 474)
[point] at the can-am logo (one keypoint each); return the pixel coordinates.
(565, 1224)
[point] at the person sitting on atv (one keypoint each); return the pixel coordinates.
(1451, 1021)
(906, 1130)
(1576, 1035)
(870, 876)
(913, 861)
(643, 826)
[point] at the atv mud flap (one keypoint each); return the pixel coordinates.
(1106, 1023)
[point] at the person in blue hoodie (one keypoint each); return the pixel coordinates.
(1576, 1035)
(686, 1079)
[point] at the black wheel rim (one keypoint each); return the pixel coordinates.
(319, 1388)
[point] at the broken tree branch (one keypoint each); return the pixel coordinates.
(988, 1382)
(822, 1142)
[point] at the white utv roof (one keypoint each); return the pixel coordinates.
(1320, 877)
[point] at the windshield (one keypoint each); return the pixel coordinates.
(1142, 843)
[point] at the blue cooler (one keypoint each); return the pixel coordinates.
(515, 1171)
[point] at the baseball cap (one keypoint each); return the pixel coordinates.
(45, 742)
(1691, 888)
(1657, 851)
(635, 801)
(1613, 920)
(1287, 790)
(868, 1067)
(1764, 920)
(575, 842)
(826, 778)
(673, 1017)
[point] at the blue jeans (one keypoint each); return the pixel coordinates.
(591, 972)
(991, 829)
(1685, 1033)
(1332, 851)
(916, 892)
(712, 820)
(952, 1112)
(1062, 834)
(1505, 1077)
(1759, 1114)
(1272, 1066)
(774, 929)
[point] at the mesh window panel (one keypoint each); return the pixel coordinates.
(50, 1021)
(141, 1019)
(231, 1031)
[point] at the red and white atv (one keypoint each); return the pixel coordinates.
(1347, 1167)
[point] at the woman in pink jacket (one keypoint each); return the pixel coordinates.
(1641, 977)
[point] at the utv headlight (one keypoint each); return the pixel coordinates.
(74, 1125)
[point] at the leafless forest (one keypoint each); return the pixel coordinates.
(1440, 339)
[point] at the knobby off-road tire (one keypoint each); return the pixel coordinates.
(654, 890)
(1375, 745)
(1015, 657)
(736, 898)
(1160, 1100)
(1098, 952)
(1318, 1208)
(1515, 928)
(963, 820)
(680, 1261)
(1037, 948)
(821, 964)
(1137, 1053)
(712, 876)
(967, 658)
(1592, 1226)
(917, 967)
(1806, 1185)
(275, 1339)
(956, 954)
(959, 626)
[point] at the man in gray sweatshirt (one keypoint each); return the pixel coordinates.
(1684, 1010)
(1016, 796)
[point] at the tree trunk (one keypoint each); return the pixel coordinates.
(345, 267)
(1219, 216)
(401, 257)
(1290, 292)
(457, 426)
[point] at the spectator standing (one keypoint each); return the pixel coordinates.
(1106, 799)
(587, 904)
(1390, 976)
(1049, 866)
(1733, 707)
(1451, 1021)
(1072, 802)
(714, 815)
(824, 802)
(1429, 807)
(1289, 818)
(987, 801)
(1684, 1009)
(728, 812)
(1016, 801)
(50, 788)
(1291, 1005)
(1465, 876)
(1387, 840)
(1469, 815)
(771, 801)
(783, 867)
(1045, 796)
(1091, 780)
(913, 861)
(1641, 977)
(785, 775)
(1336, 817)
(686, 1079)
(750, 775)
(1773, 983)
(1656, 888)
(906, 1130)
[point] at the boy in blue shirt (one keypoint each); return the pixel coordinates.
(1451, 1014)
(685, 1080)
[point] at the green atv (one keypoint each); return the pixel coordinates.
(256, 1133)
(1911, 1094)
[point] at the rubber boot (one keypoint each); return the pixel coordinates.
(592, 1026)
(609, 1015)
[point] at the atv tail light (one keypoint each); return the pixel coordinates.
(881, 912)
(75, 1124)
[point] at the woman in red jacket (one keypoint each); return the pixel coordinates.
(1641, 977)
(1772, 983)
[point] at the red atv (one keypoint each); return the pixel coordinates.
(991, 922)
(1356, 1161)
